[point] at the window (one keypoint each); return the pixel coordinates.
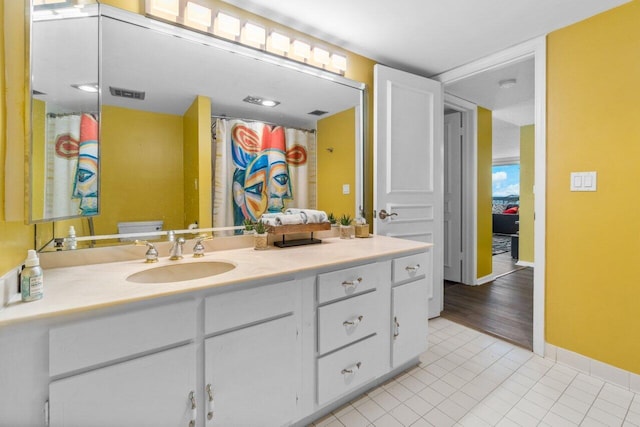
(506, 181)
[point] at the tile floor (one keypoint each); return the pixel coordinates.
(467, 378)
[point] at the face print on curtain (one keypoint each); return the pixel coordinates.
(261, 168)
(261, 181)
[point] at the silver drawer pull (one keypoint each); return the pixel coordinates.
(209, 391)
(396, 327)
(194, 411)
(412, 269)
(355, 368)
(348, 283)
(353, 322)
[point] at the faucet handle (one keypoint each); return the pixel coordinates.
(198, 248)
(152, 253)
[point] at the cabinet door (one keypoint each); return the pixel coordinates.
(148, 391)
(253, 374)
(409, 321)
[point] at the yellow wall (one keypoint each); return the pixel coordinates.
(592, 256)
(527, 146)
(485, 227)
(197, 163)
(336, 168)
(141, 169)
(15, 237)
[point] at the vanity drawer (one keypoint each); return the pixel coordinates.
(347, 321)
(412, 266)
(238, 308)
(97, 341)
(350, 281)
(349, 368)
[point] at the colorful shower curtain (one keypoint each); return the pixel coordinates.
(261, 168)
(71, 179)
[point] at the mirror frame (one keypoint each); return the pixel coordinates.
(156, 24)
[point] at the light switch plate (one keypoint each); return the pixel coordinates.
(346, 189)
(583, 181)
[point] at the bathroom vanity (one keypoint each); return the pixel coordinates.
(281, 339)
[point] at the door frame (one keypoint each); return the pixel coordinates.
(469, 185)
(537, 49)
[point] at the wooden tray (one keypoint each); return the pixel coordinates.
(299, 228)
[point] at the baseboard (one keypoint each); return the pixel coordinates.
(485, 279)
(592, 367)
(525, 263)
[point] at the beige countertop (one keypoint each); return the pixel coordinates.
(88, 287)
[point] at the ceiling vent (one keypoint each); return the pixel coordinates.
(126, 93)
(318, 113)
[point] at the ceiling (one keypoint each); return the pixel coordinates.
(426, 37)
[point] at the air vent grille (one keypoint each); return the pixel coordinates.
(126, 93)
(318, 113)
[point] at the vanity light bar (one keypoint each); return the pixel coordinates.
(226, 26)
(199, 15)
(193, 14)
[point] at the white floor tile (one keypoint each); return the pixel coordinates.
(412, 384)
(400, 392)
(452, 409)
(610, 408)
(555, 420)
(354, 419)
(439, 418)
(568, 413)
(385, 400)
(371, 410)
(467, 402)
(418, 405)
(604, 417)
(471, 420)
(487, 414)
(404, 414)
(387, 421)
(422, 423)
(524, 419)
(431, 396)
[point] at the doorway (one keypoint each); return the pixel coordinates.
(532, 50)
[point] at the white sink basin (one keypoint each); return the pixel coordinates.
(181, 272)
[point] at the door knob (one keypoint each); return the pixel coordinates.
(384, 214)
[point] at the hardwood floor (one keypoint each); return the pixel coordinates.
(503, 308)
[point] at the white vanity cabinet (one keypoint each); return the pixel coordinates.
(152, 391)
(252, 361)
(353, 328)
(279, 348)
(411, 284)
(103, 373)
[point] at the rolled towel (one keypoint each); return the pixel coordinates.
(289, 219)
(271, 221)
(312, 216)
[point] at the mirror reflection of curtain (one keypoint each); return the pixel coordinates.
(261, 168)
(71, 179)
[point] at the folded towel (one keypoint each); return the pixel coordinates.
(311, 216)
(289, 219)
(270, 215)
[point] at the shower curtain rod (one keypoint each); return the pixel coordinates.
(51, 115)
(261, 121)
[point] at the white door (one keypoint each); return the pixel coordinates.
(453, 197)
(408, 159)
(149, 391)
(253, 375)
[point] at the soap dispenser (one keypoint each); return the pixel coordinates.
(31, 278)
(71, 241)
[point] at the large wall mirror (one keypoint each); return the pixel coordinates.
(65, 106)
(172, 100)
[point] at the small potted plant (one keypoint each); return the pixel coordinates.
(249, 227)
(261, 235)
(332, 220)
(346, 229)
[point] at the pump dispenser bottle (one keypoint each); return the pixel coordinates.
(71, 241)
(31, 283)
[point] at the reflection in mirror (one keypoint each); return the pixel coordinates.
(180, 147)
(64, 81)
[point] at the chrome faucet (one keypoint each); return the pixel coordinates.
(198, 248)
(176, 249)
(152, 253)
